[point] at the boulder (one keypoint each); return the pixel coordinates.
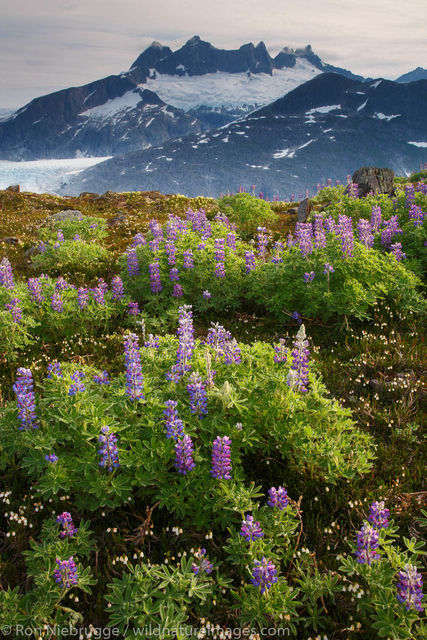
(374, 179)
(10, 240)
(14, 187)
(117, 219)
(66, 214)
(304, 209)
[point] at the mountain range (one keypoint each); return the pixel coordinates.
(165, 94)
(327, 127)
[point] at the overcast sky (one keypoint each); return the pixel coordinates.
(47, 45)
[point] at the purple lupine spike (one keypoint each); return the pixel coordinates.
(170, 250)
(221, 458)
(51, 457)
(34, 286)
(277, 249)
(174, 274)
(304, 236)
(231, 241)
(198, 399)
(328, 268)
(280, 351)
(249, 261)
(153, 342)
(298, 374)
(174, 425)
(65, 574)
(264, 574)
(353, 190)
(219, 249)
(188, 260)
(232, 352)
(396, 251)
(207, 295)
(61, 284)
(416, 215)
(203, 566)
(410, 588)
(177, 291)
(133, 309)
(82, 297)
(365, 234)
(309, 277)
(6, 274)
(56, 302)
(117, 289)
(378, 515)
(330, 225)
(132, 262)
(262, 242)
(184, 353)
(67, 524)
(109, 452)
(26, 399)
(376, 218)
(134, 377)
(138, 239)
(391, 228)
(77, 385)
(367, 544)
(409, 195)
(251, 529)
(98, 295)
(155, 282)
(345, 232)
(278, 498)
(102, 378)
(184, 455)
(54, 369)
(319, 231)
(15, 310)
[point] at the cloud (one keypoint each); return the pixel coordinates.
(47, 46)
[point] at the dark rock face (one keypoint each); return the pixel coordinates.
(304, 209)
(323, 129)
(373, 179)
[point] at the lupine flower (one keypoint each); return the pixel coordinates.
(188, 260)
(277, 248)
(221, 458)
(117, 289)
(54, 368)
(174, 274)
(197, 390)
(25, 398)
(170, 250)
(319, 231)
(264, 574)
(185, 346)
(109, 452)
(34, 286)
(77, 385)
(378, 515)
(41, 247)
(367, 544)
(184, 455)
(67, 523)
(304, 236)
(60, 236)
(82, 297)
(296, 316)
(410, 588)
(61, 284)
(102, 378)
(153, 341)
(156, 229)
(364, 230)
(98, 296)
(51, 457)
(376, 218)
(65, 573)
(353, 190)
(138, 239)
(278, 498)
(330, 225)
(298, 374)
(56, 302)
(231, 352)
(134, 378)
(328, 268)
(391, 228)
(280, 351)
(174, 425)
(204, 565)
(262, 242)
(231, 241)
(155, 282)
(249, 261)
(251, 530)
(219, 249)
(410, 195)
(309, 277)
(217, 337)
(132, 262)
(219, 270)
(201, 246)
(177, 291)
(416, 215)
(206, 295)
(345, 232)
(396, 250)
(15, 309)
(133, 309)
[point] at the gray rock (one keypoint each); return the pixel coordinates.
(10, 240)
(304, 209)
(14, 187)
(117, 219)
(66, 214)
(374, 179)
(291, 212)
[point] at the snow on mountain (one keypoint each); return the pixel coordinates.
(41, 176)
(113, 109)
(221, 89)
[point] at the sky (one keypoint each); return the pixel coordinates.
(47, 45)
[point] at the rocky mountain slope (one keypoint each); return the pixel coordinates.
(327, 127)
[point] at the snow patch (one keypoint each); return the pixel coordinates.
(362, 106)
(114, 108)
(419, 144)
(382, 116)
(375, 84)
(325, 109)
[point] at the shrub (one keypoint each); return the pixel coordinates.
(247, 212)
(77, 259)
